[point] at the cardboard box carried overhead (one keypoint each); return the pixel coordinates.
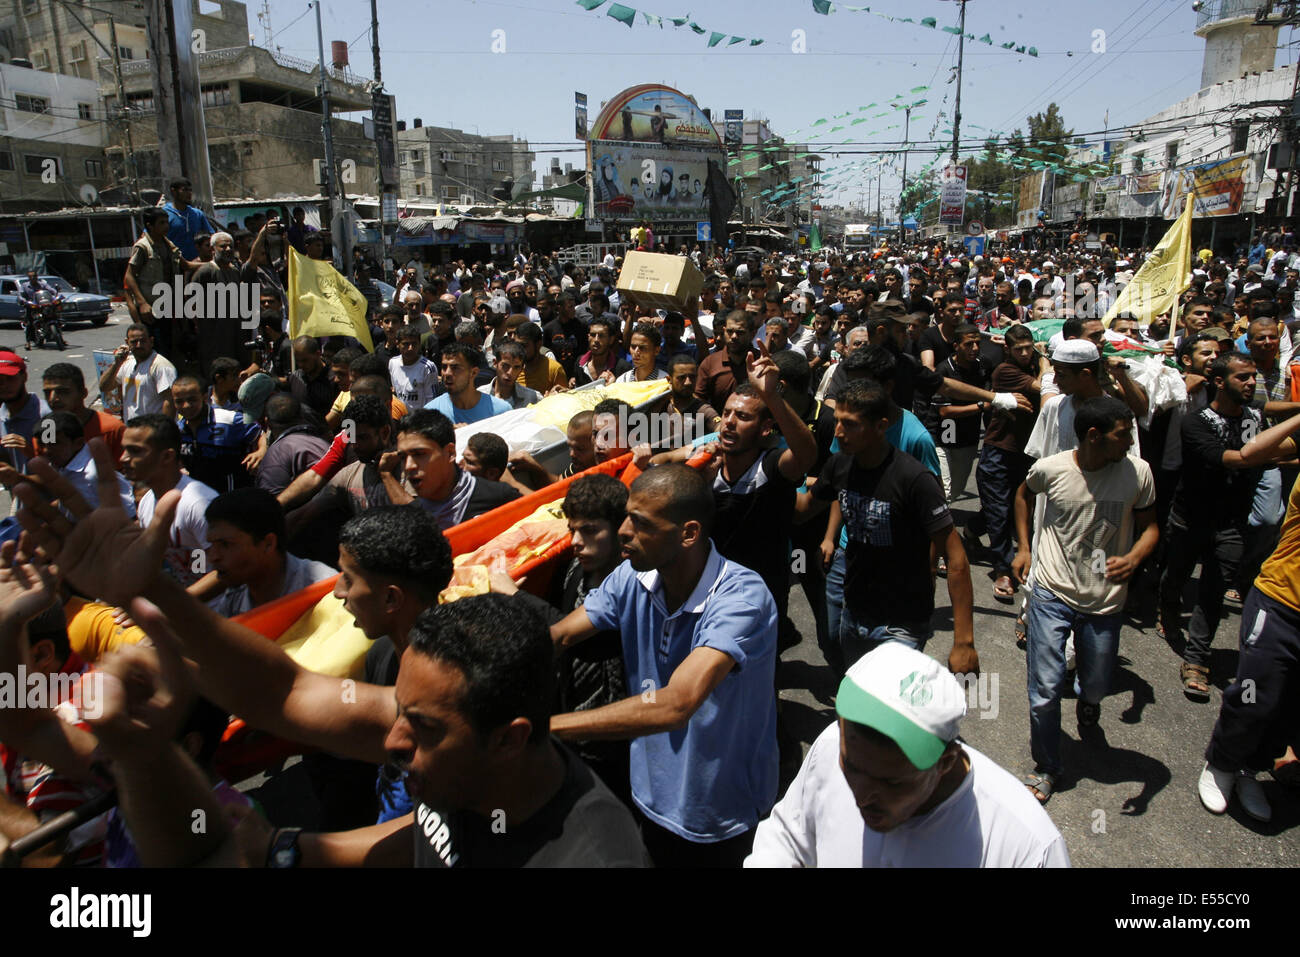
(658, 280)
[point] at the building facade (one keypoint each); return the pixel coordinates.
(460, 168)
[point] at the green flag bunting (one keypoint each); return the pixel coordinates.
(622, 14)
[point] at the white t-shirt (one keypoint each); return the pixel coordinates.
(189, 529)
(1087, 519)
(1054, 430)
(416, 384)
(143, 384)
(991, 820)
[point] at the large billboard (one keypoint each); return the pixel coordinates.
(1219, 188)
(648, 158)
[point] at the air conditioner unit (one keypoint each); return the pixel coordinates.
(40, 60)
(466, 199)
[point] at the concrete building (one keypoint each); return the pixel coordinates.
(261, 108)
(1236, 115)
(777, 182)
(51, 139)
(453, 166)
(263, 119)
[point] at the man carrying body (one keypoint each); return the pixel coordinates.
(699, 643)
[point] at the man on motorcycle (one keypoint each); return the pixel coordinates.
(29, 292)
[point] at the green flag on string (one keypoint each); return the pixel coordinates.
(755, 43)
(715, 38)
(930, 22)
(822, 6)
(622, 14)
(697, 28)
(734, 40)
(589, 4)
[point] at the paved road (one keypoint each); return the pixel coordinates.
(1132, 798)
(1132, 801)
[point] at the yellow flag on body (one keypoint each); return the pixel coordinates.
(1163, 277)
(323, 303)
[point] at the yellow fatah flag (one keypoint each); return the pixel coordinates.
(1158, 284)
(323, 303)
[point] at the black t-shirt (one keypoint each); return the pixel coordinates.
(932, 340)
(1206, 489)
(909, 377)
(964, 431)
(583, 825)
(890, 512)
(752, 520)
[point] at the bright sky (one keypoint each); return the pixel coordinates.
(437, 60)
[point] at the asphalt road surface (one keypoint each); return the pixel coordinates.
(1129, 795)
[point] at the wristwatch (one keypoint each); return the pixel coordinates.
(284, 851)
(982, 406)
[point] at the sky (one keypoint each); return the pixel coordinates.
(438, 61)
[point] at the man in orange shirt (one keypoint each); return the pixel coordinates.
(64, 387)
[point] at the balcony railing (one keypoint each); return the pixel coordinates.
(135, 67)
(1227, 10)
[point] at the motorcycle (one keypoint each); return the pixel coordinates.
(43, 323)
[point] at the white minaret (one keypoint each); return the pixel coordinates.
(1234, 45)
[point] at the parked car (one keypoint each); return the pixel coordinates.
(77, 306)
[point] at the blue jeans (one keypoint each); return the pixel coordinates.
(830, 646)
(1096, 646)
(856, 639)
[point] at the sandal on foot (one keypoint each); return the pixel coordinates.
(1003, 589)
(1196, 681)
(1040, 786)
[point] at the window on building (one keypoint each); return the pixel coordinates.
(36, 165)
(401, 157)
(419, 189)
(471, 159)
(446, 156)
(95, 168)
(140, 101)
(84, 111)
(31, 7)
(125, 53)
(498, 166)
(1240, 135)
(1171, 154)
(6, 161)
(450, 194)
(417, 156)
(31, 104)
(216, 94)
(40, 60)
(77, 52)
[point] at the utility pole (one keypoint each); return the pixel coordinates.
(344, 247)
(182, 135)
(129, 166)
(961, 47)
(381, 114)
(907, 124)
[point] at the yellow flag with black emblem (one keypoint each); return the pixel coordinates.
(323, 303)
(1163, 277)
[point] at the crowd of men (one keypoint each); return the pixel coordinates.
(626, 714)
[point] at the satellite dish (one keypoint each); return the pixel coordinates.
(89, 195)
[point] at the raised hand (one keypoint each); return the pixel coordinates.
(104, 554)
(28, 581)
(763, 372)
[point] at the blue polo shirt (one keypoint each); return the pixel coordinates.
(183, 227)
(488, 406)
(717, 777)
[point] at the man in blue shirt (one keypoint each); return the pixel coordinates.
(699, 644)
(185, 221)
(462, 402)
